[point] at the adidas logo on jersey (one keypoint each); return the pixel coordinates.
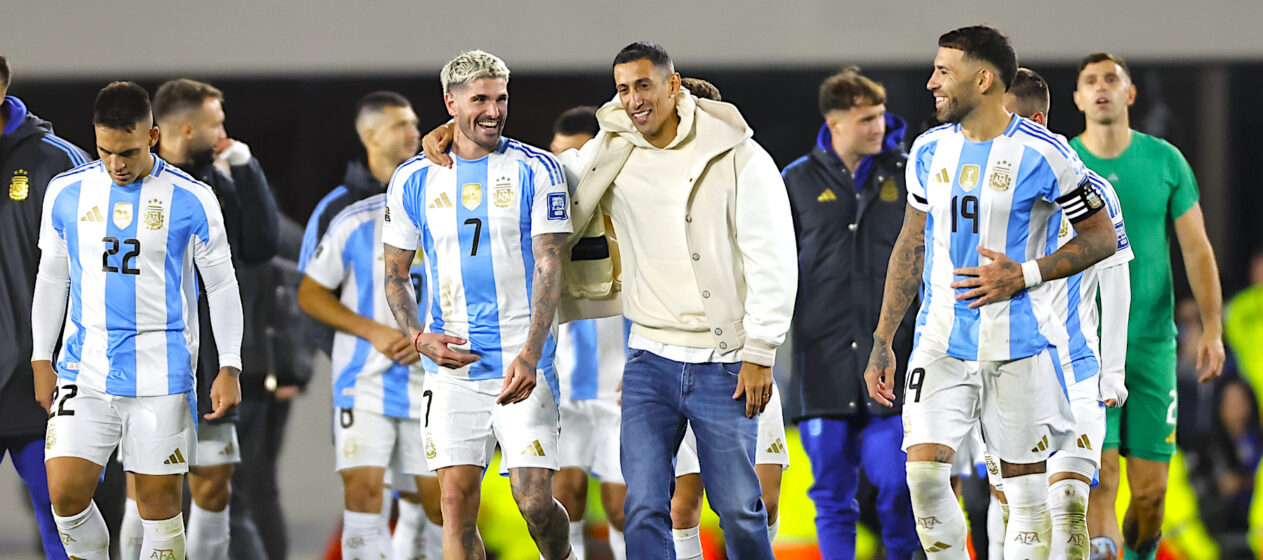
(93, 215)
(938, 547)
(1083, 442)
(827, 196)
(777, 446)
(1042, 445)
(441, 201)
(175, 458)
(534, 449)
(942, 176)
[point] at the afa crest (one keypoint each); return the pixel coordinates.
(122, 214)
(471, 195)
(20, 186)
(889, 191)
(968, 178)
(504, 193)
(1001, 176)
(154, 216)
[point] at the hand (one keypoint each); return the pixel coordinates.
(755, 382)
(436, 143)
(45, 383)
(1113, 390)
(879, 376)
(225, 392)
(1210, 355)
(232, 152)
(996, 281)
(287, 393)
(434, 346)
(393, 344)
(520, 380)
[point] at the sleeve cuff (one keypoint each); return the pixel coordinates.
(230, 360)
(759, 352)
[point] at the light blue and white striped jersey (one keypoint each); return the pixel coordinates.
(590, 357)
(132, 317)
(987, 194)
(350, 256)
(1074, 298)
(474, 223)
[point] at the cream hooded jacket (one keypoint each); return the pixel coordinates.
(738, 230)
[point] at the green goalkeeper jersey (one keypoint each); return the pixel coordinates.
(1155, 186)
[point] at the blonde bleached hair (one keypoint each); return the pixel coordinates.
(469, 66)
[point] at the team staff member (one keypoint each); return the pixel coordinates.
(30, 155)
(1157, 189)
(847, 197)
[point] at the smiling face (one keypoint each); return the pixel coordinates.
(1104, 92)
(480, 109)
(648, 97)
(953, 84)
(125, 153)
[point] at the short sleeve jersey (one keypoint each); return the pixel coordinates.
(998, 194)
(474, 223)
(1155, 186)
(349, 257)
(132, 317)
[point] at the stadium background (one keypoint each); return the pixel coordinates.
(291, 72)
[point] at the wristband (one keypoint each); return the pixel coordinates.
(1031, 274)
(417, 339)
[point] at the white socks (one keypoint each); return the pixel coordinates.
(940, 521)
(618, 545)
(1029, 532)
(164, 539)
(997, 514)
(409, 540)
(208, 533)
(688, 543)
(130, 534)
(578, 548)
(363, 536)
(1068, 503)
(84, 534)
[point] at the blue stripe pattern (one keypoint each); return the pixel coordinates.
(73, 153)
(586, 359)
(1042, 133)
(549, 162)
(186, 215)
(963, 340)
(478, 273)
(120, 296)
(360, 241)
(311, 237)
(922, 160)
(67, 204)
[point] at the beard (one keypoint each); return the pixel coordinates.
(953, 111)
(202, 156)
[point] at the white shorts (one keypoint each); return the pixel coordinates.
(589, 438)
(368, 439)
(465, 423)
(971, 453)
(1024, 412)
(154, 435)
(1089, 422)
(216, 445)
(769, 450)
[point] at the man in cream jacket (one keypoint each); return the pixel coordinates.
(704, 266)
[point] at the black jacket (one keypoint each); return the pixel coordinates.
(250, 222)
(30, 155)
(845, 238)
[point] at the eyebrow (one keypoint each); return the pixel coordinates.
(122, 153)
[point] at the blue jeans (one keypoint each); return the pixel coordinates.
(837, 449)
(28, 459)
(660, 398)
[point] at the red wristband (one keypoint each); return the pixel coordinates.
(415, 340)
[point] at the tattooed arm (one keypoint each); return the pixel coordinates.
(903, 281)
(403, 304)
(1001, 278)
(520, 380)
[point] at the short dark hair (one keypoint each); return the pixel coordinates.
(122, 106)
(6, 73)
(577, 120)
(1101, 57)
(985, 43)
(847, 89)
(1031, 91)
(702, 89)
(177, 96)
(378, 100)
(644, 50)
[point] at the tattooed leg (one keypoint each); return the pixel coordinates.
(460, 487)
(545, 517)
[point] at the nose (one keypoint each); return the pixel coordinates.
(115, 163)
(930, 84)
(494, 111)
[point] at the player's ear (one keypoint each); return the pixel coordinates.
(153, 135)
(1131, 94)
(449, 100)
(1040, 118)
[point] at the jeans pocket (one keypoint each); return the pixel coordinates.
(731, 368)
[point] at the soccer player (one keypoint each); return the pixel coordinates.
(770, 459)
(491, 229)
(377, 393)
(1157, 189)
(590, 358)
(981, 190)
(120, 239)
(1084, 355)
(30, 156)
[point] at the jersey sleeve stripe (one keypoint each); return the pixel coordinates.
(76, 157)
(1035, 131)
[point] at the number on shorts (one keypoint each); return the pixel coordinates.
(346, 417)
(429, 398)
(71, 391)
(915, 377)
(1171, 408)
